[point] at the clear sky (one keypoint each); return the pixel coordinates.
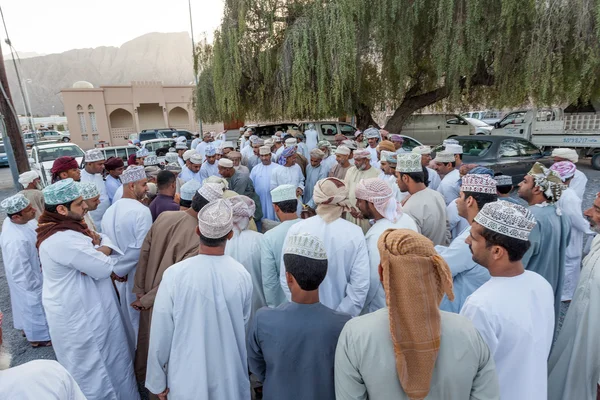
(54, 26)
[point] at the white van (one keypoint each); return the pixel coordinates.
(433, 129)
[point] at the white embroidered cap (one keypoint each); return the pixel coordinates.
(186, 155)
(94, 155)
(14, 204)
(171, 157)
(305, 245)
(343, 150)
(264, 150)
(133, 174)
(196, 159)
(283, 193)
(88, 190)
(503, 180)
(408, 163)
(151, 160)
(225, 163)
(215, 220)
(478, 183)
(453, 148)
(227, 144)
(290, 142)
(422, 150)
(211, 191)
(507, 219)
(189, 189)
(27, 177)
(443, 157)
(181, 145)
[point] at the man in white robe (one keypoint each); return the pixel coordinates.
(22, 268)
(285, 204)
(290, 173)
(126, 223)
(244, 246)
(79, 298)
(579, 180)
(211, 303)
(200, 148)
(312, 137)
(570, 205)
(209, 166)
(346, 285)
(261, 178)
(315, 171)
(192, 170)
(445, 165)
(574, 364)
(388, 164)
(115, 167)
(434, 180)
(518, 329)
(362, 169)
(92, 172)
(329, 161)
(32, 190)
(373, 137)
(375, 201)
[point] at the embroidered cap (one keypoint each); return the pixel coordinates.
(422, 150)
(504, 180)
(409, 162)
(210, 151)
(186, 155)
(324, 144)
(453, 148)
(196, 159)
(305, 245)
(14, 204)
(264, 150)
(215, 220)
(443, 157)
(181, 145)
(88, 190)
(290, 142)
(343, 150)
(351, 144)
(283, 193)
(507, 219)
(142, 153)
(225, 163)
(94, 155)
(372, 133)
(189, 189)
(133, 174)
(61, 192)
(171, 157)
(211, 191)
(151, 160)
(478, 183)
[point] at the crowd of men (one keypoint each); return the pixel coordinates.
(283, 270)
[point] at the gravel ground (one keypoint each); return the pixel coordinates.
(21, 350)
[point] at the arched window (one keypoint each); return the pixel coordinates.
(79, 108)
(90, 107)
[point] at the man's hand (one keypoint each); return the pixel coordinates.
(96, 239)
(177, 198)
(118, 278)
(163, 395)
(299, 192)
(107, 251)
(137, 305)
(355, 213)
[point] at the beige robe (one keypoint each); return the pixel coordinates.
(353, 176)
(36, 198)
(337, 171)
(171, 239)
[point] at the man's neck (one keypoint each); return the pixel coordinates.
(88, 171)
(304, 297)
(211, 251)
(166, 193)
(537, 200)
(417, 187)
(128, 195)
(346, 165)
(508, 270)
(190, 211)
(287, 217)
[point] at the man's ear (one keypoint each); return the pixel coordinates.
(230, 235)
(62, 210)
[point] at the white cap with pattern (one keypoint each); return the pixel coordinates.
(181, 145)
(88, 190)
(408, 163)
(264, 150)
(196, 159)
(444, 157)
(189, 189)
(94, 155)
(283, 193)
(225, 163)
(215, 220)
(454, 148)
(151, 160)
(507, 219)
(290, 142)
(422, 150)
(211, 191)
(133, 174)
(504, 180)
(14, 204)
(305, 245)
(343, 150)
(478, 183)
(187, 154)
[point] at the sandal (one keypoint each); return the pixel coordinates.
(41, 344)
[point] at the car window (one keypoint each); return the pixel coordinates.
(455, 120)
(509, 148)
(109, 153)
(545, 115)
(53, 153)
(328, 129)
(2, 149)
(476, 148)
(347, 130)
(528, 149)
(517, 117)
(409, 144)
(122, 153)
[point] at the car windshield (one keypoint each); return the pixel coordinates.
(52, 153)
(475, 148)
(151, 135)
(2, 149)
(476, 122)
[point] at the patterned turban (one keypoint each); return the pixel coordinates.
(378, 192)
(549, 181)
(316, 153)
(362, 153)
(386, 145)
(243, 209)
(566, 169)
(331, 197)
(415, 279)
(289, 151)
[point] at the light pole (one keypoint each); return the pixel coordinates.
(194, 63)
(29, 111)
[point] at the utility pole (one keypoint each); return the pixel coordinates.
(13, 130)
(194, 63)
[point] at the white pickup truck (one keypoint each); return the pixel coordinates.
(549, 128)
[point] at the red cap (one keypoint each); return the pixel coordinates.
(62, 164)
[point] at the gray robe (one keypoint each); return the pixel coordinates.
(574, 364)
(546, 256)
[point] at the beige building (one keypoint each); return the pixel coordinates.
(109, 114)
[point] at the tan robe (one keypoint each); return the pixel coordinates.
(36, 198)
(353, 176)
(337, 171)
(171, 239)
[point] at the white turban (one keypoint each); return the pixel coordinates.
(27, 177)
(243, 209)
(566, 153)
(376, 191)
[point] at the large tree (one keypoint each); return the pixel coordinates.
(311, 59)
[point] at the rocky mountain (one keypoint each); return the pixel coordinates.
(22, 55)
(162, 57)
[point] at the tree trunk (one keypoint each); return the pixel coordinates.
(364, 119)
(411, 104)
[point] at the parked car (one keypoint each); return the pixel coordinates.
(149, 134)
(3, 157)
(432, 129)
(490, 117)
(28, 139)
(55, 136)
(481, 128)
(267, 130)
(509, 155)
(162, 145)
(328, 129)
(43, 156)
(189, 136)
(119, 151)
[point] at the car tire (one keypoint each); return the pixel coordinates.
(66, 139)
(596, 161)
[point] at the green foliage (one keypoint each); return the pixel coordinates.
(302, 59)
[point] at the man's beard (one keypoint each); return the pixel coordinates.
(5, 358)
(75, 217)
